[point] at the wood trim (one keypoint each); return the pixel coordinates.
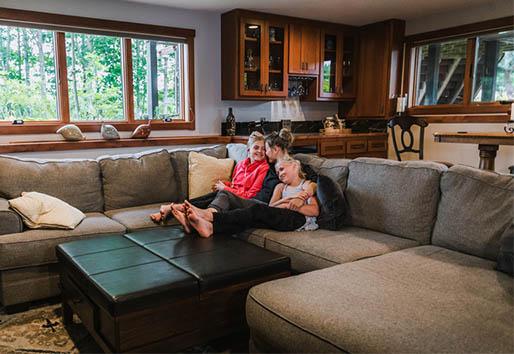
(106, 144)
(128, 79)
(63, 22)
(469, 118)
(475, 108)
(89, 127)
(468, 72)
(462, 31)
(63, 101)
(191, 82)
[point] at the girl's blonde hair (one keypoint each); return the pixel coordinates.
(253, 138)
(290, 160)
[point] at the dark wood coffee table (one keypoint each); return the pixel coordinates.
(160, 290)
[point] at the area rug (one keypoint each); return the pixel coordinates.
(40, 330)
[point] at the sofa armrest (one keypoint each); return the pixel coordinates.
(10, 221)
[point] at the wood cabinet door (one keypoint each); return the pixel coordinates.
(295, 49)
(252, 52)
(310, 49)
(372, 72)
(330, 70)
(275, 66)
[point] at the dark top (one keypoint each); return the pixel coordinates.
(271, 180)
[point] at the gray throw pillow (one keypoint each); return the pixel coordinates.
(331, 202)
(505, 261)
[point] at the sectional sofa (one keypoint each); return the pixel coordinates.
(413, 270)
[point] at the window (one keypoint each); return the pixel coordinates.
(494, 67)
(71, 69)
(27, 74)
(463, 70)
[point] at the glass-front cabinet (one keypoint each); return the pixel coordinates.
(262, 56)
(337, 66)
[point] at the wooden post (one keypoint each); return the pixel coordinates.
(151, 70)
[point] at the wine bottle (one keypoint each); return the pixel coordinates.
(230, 123)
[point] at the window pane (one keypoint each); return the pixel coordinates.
(27, 74)
(157, 75)
(494, 68)
(94, 77)
(441, 70)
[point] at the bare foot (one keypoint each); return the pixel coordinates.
(202, 226)
(156, 218)
(182, 219)
(179, 206)
(203, 213)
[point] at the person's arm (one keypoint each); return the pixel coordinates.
(311, 209)
(256, 186)
(277, 193)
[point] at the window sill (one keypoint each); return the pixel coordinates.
(463, 118)
(88, 127)
(485, 109)
(32, 146)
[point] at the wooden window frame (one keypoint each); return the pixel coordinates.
(467, 111)
(63, 23)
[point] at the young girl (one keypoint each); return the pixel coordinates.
(246, 181)
(280, 215)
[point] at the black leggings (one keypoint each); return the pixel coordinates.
(257, 216)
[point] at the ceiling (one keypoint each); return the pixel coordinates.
(351, 12)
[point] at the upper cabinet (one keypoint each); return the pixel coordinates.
(254, 58)
(304, 49)
(379, 71)
(338, 62)
(261, 52)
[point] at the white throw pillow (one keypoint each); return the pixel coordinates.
(205, 171)
(40, 210)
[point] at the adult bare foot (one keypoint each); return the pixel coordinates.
(203, 213)
(165, 211)
(202, 226)
(156, 218)
(179, 206)
(182, 219)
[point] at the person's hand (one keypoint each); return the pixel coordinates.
(219, 186)
(295, 204)
(304, 195)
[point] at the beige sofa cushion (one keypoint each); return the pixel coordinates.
(35, 247)
(476, 207)
(311, 250)
(138, 179)
(418, 300)
(138, 217)
(205, 171)
(180, 163)
(39, 210)
(77, 182)
(398, 198)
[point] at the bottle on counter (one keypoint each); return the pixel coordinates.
(230, 123)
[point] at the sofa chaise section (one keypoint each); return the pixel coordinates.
(422, 299)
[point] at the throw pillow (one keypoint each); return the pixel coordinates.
(332, 204)
(205, 171)
(40, 210)
(505, 261)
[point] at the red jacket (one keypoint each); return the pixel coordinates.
(247, 178)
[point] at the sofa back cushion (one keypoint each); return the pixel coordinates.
(398, 198)
(336, 169)
(77, 182)
(180, 163)
(237, 152)
(137, 179)
(476, 208)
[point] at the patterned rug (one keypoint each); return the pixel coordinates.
(40, 330)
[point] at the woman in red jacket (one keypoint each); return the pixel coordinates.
(246, 181)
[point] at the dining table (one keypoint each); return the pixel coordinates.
(488, 143)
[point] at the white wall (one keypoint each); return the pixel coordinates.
(466, 154)
(210, 110)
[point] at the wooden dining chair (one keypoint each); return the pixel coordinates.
(406, 123)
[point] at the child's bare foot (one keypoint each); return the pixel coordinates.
(182, 219)
(202, 226)
(165, 211)
(179, 206)
(203, 213)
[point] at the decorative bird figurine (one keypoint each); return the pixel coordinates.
(109, 132)
(142, 131)
(71, 132)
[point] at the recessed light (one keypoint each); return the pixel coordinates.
(253, 27)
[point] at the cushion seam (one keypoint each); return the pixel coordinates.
(293, 248)
(58, 238)
(400, 166)
(294, 324)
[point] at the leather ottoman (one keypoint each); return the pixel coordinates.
(161, 290)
